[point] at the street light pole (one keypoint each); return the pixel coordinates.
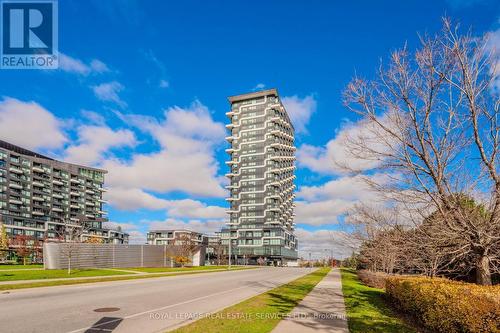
(229, 266)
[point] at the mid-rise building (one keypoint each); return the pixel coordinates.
(175, 237)
(261, 176)
(39, 196)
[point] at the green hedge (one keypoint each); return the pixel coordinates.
(447, 306)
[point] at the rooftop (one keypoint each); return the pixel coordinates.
(253, 95)
(23, 151)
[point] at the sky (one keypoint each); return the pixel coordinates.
(142, 89)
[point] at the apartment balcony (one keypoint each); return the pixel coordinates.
(231, 175)
(74, 181)
(57, 182)
(15, 185)
(102, 201)
(57, 195)
(74, 206)
(230, 138)
(229, 126)
(89, 192)
(73, 193)
(37, 213)
(230, 113)
(37, 198)
(88, 203)
(90, 216)
(15, 170)
(230, 150)
(38, 169)
(15, 201)
(102, 189)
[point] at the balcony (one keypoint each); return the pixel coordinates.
(15, 185)
(57, 182)
(15, 170)
(15, 201)
(38, 169)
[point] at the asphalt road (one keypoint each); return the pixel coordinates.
(149, 305)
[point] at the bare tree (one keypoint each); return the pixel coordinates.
(71, 235)
(182, 249)
(431, 120)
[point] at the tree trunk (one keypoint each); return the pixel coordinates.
(69, 264)
(483, 274)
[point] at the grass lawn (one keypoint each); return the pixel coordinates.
(10, 266)
(367, 311)
(260, 313)
(55, 274)
(174, 269)
(115, 277)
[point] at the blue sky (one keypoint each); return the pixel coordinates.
(134, 73)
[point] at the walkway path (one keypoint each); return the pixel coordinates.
(322, 310)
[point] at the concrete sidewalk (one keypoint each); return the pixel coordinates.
(322, 310)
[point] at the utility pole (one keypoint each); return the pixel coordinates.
(229, 252)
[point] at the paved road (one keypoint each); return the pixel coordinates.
(149, 305)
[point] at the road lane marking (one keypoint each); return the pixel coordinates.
(177, 304)
(158, 309)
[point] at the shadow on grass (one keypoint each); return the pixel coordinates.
(366, 308)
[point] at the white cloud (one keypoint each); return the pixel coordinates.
(164, 84)
(30, 125)
(347, 188)
(206, 227)
(109, 92)
(134, 198)
(259, 86)
(493, 44)
(98, 66)
(336, 155)
(324, 244)
(321, 212)
(73, 65)
(93, 117)
(300, 110)
(327, 203)
(135, 236)
(94, 141)
(186, 161)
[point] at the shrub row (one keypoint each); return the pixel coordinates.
(447, 306)
(372, 279)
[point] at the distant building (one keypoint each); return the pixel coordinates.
(40, 195)
(174, 237)
(261, 176)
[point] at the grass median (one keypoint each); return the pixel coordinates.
(16, 267)
(260, 313)
(367, 311)
(120, 276)
(27, 274)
